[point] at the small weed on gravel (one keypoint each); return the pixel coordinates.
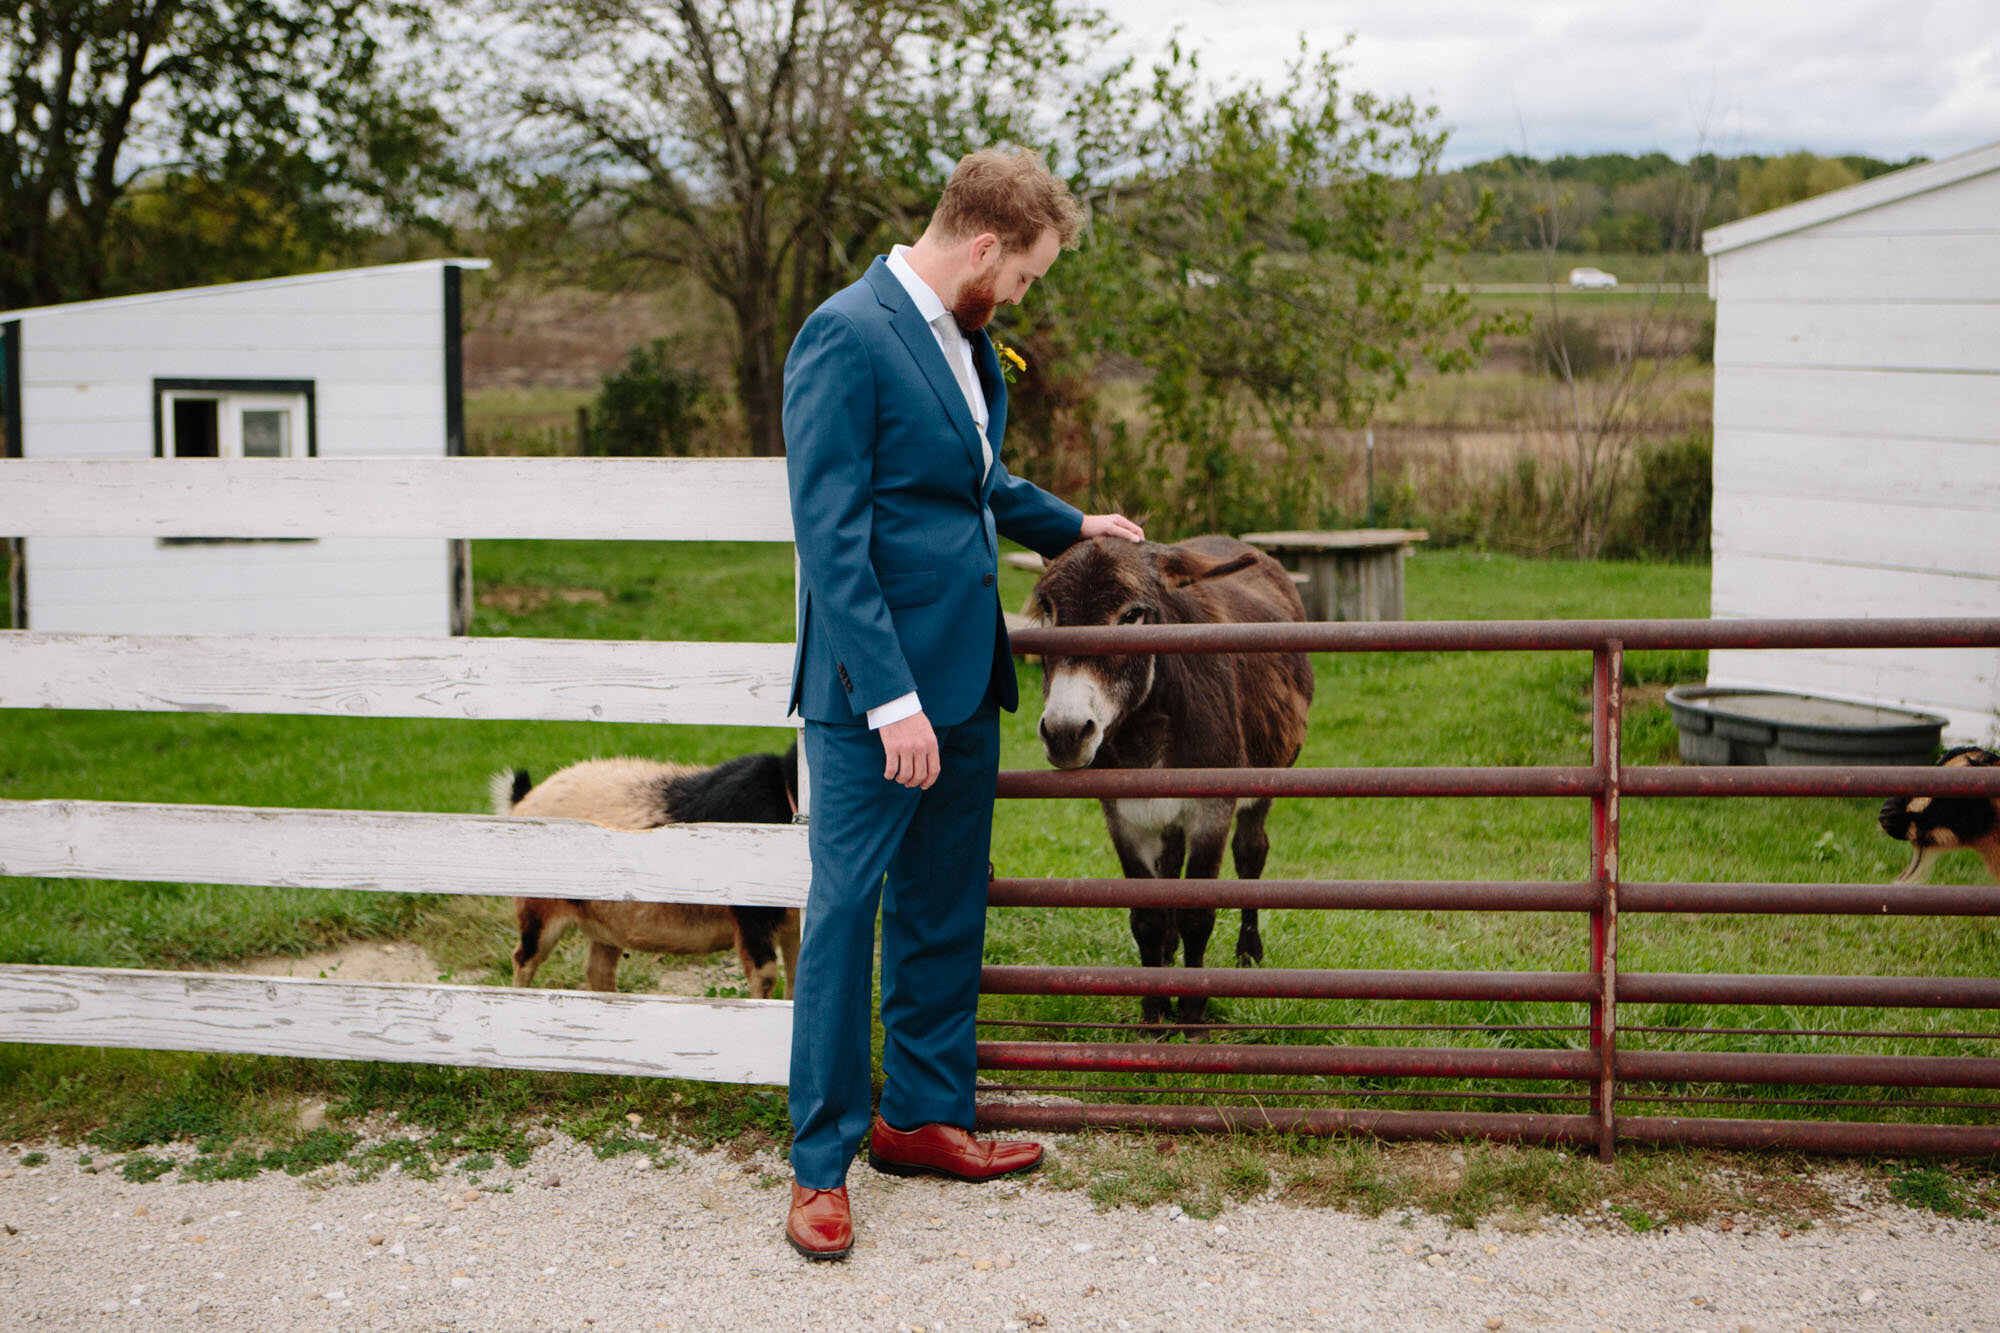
(141, 1169)
(1935, 1188)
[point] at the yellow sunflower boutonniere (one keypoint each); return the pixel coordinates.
(1011, 364)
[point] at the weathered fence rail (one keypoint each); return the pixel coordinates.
(743, 684)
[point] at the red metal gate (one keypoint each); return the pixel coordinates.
(1604, 1071)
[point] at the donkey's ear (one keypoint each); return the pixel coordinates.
(1178, 567)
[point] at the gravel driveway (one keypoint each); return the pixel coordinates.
(572, 1242)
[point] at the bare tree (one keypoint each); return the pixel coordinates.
(763, 145)
(1609, 377)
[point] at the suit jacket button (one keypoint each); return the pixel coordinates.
(987, 580)
(845, 683)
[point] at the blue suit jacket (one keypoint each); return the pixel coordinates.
(895, 529)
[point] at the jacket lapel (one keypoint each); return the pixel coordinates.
(922, 345)
(994, 385)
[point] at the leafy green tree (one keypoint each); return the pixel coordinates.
(1785, 180)
(153, 142)
(1266, 259)
(769, 146)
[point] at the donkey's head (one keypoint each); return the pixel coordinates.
(1107, 581)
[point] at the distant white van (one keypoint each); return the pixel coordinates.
(1591, 279)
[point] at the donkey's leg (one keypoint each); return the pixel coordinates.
(1143, 853)
(1207, 833)
(1248, 849)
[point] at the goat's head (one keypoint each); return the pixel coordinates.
(1107, 581)
(1934, 824)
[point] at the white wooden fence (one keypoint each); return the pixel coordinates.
(707, 683)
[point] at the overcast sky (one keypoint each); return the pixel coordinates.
(1889, 78)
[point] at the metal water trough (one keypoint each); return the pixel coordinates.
(1744, 726)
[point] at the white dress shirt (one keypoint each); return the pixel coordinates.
(955, 346)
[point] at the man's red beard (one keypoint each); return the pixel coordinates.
(976, 300)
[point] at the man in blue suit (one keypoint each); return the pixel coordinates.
(895, 407)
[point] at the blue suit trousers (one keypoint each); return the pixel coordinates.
(921, 858)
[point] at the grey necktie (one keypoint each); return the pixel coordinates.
(948, 330)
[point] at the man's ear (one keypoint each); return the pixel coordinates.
(984, 246)
(1179, 568)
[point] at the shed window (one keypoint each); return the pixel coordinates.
(232, 425)
(234, 419)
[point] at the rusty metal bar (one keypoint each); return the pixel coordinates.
(1827, 1136)
(1322, 1061)
(1794, 1069)
(1126, 783)
(1815, 899)
(1830, 1103)
(1353, 895)
(1287, 983)
(1509, 1127)
(1800, 1135)
(1502, 896)
(1435, 1094)
(1211, 1029)
(1877, 1034)
(1779, 988)
(1607, 671)
(1426, 636)
(1812, 781)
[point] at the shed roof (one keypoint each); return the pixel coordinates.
(216, 289)
(1868, 194)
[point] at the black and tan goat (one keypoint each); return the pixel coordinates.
(1935, 824)
(1175, 710)
(638, 794)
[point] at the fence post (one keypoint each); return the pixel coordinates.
(1607, 674)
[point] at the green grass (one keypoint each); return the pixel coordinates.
(1370, 709)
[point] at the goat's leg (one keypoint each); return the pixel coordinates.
(1248, 849)
(756, 947)
(543, 923)
(788, 947)
(1205, 841)
(600, 970)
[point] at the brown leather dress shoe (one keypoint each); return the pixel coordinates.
(819, 1225)
(946, 1150)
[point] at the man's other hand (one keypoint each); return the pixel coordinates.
(911, 749)
(1112, 525)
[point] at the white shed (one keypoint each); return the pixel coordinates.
(1857, 430)
(356, 363)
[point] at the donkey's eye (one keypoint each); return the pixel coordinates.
(1132, 615)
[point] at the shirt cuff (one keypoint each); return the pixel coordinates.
(894, 711)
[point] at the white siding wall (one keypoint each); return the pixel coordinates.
(371, 340)
(1857, 444)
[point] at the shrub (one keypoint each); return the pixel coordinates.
(648, 408)
(1669, 517)
(1582, 343)
(1702, 346)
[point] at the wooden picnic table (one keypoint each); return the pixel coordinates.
(1347, 573)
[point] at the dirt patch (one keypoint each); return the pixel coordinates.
(516, 599)
(571, 339)
(364, 960)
